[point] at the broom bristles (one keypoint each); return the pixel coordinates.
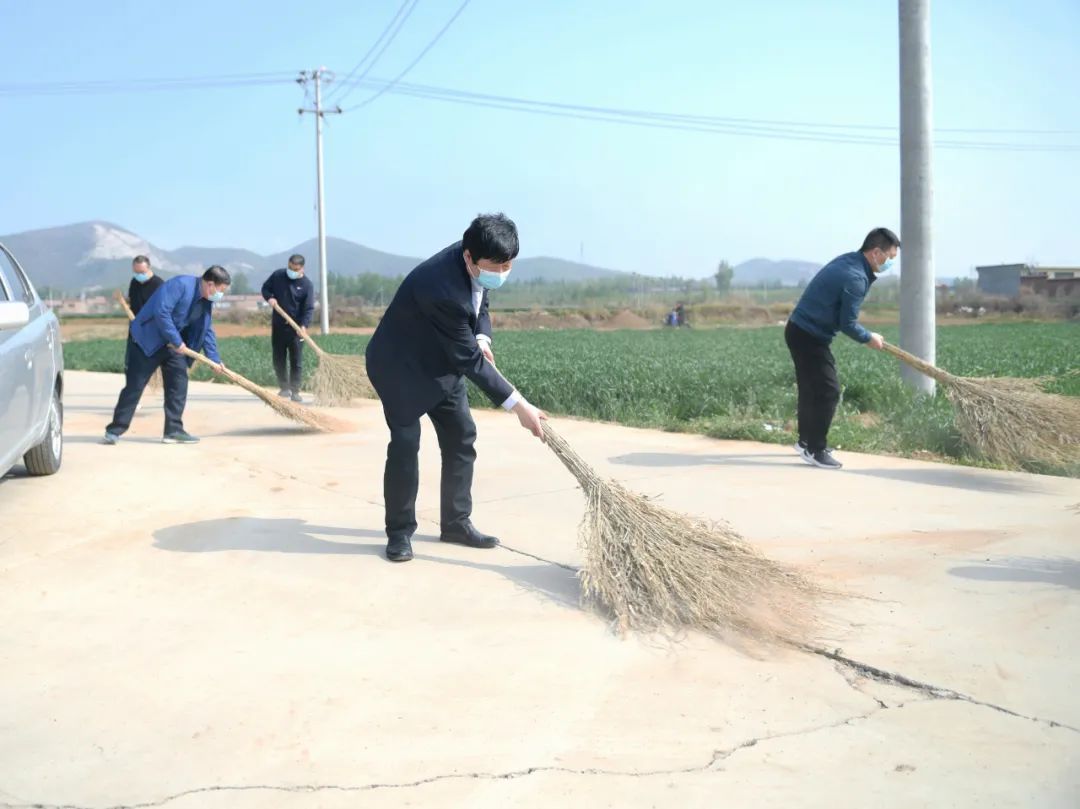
(653, 569)
(1015, 423)
(291, 410)
(341, 378)
(319, 421)
(1009, 421)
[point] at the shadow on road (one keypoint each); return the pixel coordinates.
(957, 478)
(1059, 571)
(670, 459)
(288, 535)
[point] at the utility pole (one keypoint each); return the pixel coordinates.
(317, 77)
(916, 191)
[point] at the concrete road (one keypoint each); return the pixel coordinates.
(215, 626)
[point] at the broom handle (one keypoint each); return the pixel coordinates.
(918, 364)
(123, 302)
(297, 327)
(230, 374)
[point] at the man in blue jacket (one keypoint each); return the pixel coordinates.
(436, 332)
(293, 291)
(178, 314)
(830, 304)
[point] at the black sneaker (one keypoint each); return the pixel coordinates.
(296, 398)
(800, 446)
(179, 438)
(823, 458)
(284, 393)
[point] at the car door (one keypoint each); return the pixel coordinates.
(16, 379)
(41, 334)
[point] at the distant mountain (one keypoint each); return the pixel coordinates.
(348, 258)
(557, 269)
(787, 272)
(88, 254)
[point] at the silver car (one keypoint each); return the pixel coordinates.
(31, 375)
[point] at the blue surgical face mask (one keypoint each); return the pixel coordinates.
(489, 279)
(492, 280)
(216, 296)
(142, 277)
(888, 265)
(292, 274)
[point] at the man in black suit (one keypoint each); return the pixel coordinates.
(293, 291)
(435, 332)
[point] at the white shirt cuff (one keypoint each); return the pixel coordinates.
(512, 400)
(483, 338)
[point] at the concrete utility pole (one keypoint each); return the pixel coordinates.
(316, 76)
(916, 191)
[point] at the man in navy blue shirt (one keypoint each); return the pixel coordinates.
(293, 292)
(830, 304)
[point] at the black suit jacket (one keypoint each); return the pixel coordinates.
(426, 341)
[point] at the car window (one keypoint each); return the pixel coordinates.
(17, 286)
(28, 288)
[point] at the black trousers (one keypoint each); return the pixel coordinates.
(138, 372)
(288, 349)
(819, 388)
(456, 431)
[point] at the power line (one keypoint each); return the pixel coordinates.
(709, 119)
(393, 82)
(747, 127)
(389, 30)
(145, 85)
(827, 132)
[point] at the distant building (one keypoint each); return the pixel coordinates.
(1008, 280)
(1063, 284)
(1000, 279)
(243, 303)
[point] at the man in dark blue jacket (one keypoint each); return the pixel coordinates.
(178, 314)
(293, 292)
(436, 332)
(830, 304)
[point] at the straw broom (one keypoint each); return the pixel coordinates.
(291, 410)
(1010, 421)
(155, 384)
(339, 377)
(653, 569)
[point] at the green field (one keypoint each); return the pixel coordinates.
(726, 382)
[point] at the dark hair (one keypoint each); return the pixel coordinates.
(881, 238)
(141, 260)
(296, 259)
(491, 236)
(217, 275)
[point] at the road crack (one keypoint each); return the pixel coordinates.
(712, 765)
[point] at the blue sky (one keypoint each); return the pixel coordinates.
(235, 166)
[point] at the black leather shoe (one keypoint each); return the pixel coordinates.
(466, 534)
(399, 549)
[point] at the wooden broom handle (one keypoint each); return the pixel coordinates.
(123, 302)
(918, 364)
(297, 327)
(195, 355)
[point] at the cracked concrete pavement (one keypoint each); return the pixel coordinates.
(215, 626)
